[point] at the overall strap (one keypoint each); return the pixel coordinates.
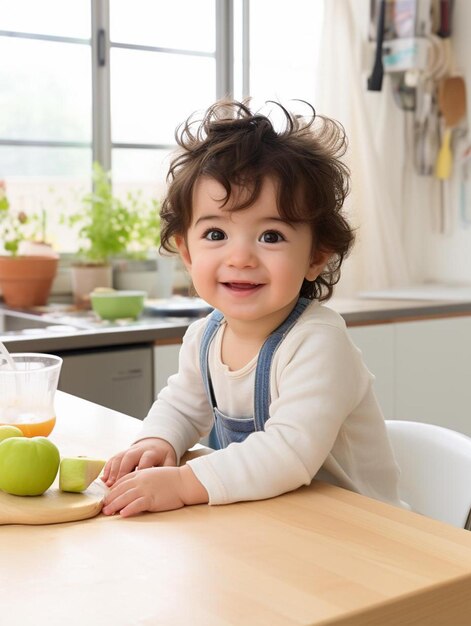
(210, 331)
(262, 397)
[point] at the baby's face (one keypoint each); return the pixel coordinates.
(249, 264)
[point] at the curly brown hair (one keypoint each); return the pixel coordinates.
(239, 149)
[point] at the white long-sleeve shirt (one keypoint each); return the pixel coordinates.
(324, 419)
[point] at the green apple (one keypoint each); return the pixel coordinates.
(78, 472)
(28, 466)
(8, 430)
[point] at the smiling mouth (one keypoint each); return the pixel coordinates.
(235, 286)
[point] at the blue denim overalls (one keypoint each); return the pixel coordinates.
(228, 429)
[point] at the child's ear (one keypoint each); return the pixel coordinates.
(318, 262)
(183, 251)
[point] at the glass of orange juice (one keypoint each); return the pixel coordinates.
(27, 392)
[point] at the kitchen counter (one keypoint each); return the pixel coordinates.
(62, 330)
(363, 311)
(319, 555)
(58, 327)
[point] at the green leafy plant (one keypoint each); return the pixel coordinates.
(144, 221)
(110, 226)
(18, 226)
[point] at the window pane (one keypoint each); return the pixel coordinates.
(32, 161)
(140, 166)
(184, 24)
(57, 196)
(45, 90)
(152, 93)
(70, 18)
(283, 67)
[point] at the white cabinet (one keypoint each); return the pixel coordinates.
(422, 369)
(433, 372)
(118, 378)
(376, 343)
(165, 363)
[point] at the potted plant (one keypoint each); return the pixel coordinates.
(144, 266)
(28, 265)
(110, 228)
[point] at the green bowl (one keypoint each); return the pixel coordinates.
(113, 305)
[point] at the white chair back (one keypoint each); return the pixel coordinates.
(435, 465)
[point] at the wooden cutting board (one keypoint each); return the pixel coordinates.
(53, 507)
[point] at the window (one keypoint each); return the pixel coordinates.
(284, 44)
(162, 69)
(110, 80)
(45, 104)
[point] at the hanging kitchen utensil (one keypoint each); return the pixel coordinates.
(452, 104)
(426, 129)
(446, 8)
(464, 161)
(427, 119)
(375, 80)
(405, 95)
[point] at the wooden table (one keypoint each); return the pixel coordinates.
(320, 555)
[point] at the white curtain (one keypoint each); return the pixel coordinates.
(379, 156)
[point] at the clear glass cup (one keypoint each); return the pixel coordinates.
(27, 392)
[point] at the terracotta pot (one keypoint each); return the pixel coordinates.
(26, 281)
(86, 278)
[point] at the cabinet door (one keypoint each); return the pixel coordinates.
(120, 379)
(376, 343)
(165, 364)
(433, 372)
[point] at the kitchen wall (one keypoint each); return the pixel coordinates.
(448, 254)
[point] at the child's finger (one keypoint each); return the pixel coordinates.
(148, 459)
(111, 470)
(139, 505)
(107, 468)
(123, 496)
(119, 496)
(124, 465)
(106, 472)
(115, 471)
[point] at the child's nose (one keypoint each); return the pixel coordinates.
(241, 254)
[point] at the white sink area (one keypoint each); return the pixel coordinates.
(18, 323)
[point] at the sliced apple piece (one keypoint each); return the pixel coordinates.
(76, 473)
(8, 430)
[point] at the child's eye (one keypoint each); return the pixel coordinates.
(214, 234)
(271, 236)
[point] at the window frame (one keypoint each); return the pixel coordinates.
(102, 143)
(101, 84)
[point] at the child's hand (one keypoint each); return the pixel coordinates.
(143, 454)
(154, 489)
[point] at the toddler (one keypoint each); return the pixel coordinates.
(255, 214)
